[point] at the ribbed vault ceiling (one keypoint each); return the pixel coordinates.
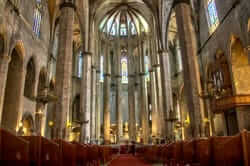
(142, 8)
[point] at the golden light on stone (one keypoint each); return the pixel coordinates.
(206, 120)
(69, 124)
(51, 123)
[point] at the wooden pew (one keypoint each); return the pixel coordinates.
(42, 151)
(67, 153)
(245, 137)
(189, 152)
(81, 154)
(177, 153)
(233, 151)
(202, 152)
(13, 150)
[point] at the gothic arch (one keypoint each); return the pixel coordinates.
(14, 89)
(239, 66)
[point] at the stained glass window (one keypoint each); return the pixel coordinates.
(124, 64)
(79, 65)
(101, 67)
(123, 30)
(37, 19)
(213, 20)
(147, 68)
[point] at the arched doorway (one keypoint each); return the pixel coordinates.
(13, 92)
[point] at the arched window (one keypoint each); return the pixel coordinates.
(101, 67)
(147, 68)
(124, 64)
(79, 65)
(37, 18)
(212, 16)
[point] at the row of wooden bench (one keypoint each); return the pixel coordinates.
(39, 151)
(213, 151)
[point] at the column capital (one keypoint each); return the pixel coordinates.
(163, 52)
(67, 4)
(107, 75)
(98, 71)
(156, 65)
(151, 70)
(86, 53)
(93, 67)
(5, 58)
(131, 75)
(118, 76)
(142, 74)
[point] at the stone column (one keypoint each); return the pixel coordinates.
(144, 98)
(154, 106)
(98, 105)
(159, 95)
(64, 70)
(131, 98)
(192, 83)
(85, 105)
(119, 118)
(93, 105)
(4, 65)
(106, 96)
(167, 91)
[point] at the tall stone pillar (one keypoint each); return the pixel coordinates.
(161, 120)
(167, 92)
(131, 94)
(192, 83)
(64, 69)
(85, 105)
(4, 65)
(93, 105)
(154, 106)
(98, 105)
(144, 99)
(119, 118)
(106, 96)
